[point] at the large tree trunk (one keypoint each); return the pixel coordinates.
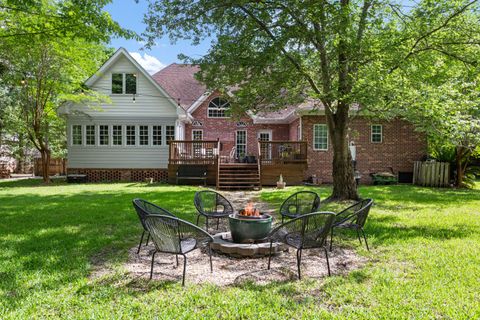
(45, 154)
(344, 186)
(461, 159)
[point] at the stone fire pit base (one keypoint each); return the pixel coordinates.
(222, 242)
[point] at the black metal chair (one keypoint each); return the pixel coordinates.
(176, 236)
(354, 218)
(300, 203)
(212, 205)
(144, 209)
(307, 231)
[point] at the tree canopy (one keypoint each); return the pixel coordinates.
(337, 53)
(47, 50)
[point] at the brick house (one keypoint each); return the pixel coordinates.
(157, 124)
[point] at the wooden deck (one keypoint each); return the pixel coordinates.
(274, 158)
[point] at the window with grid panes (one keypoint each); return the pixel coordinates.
(77, 135)
(131, 135)
(157, 135)
(376, 133)
(217, 108)
(103, 135)
(169, 133)
(117, 135)
(143, 131)
(320, 137)
(90, 135)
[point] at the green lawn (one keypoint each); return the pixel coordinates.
(425, 261)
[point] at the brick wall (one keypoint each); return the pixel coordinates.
(293, 135)
(401, 146)
(108, 175)
(225, 129)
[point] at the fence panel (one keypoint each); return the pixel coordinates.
(431, 174)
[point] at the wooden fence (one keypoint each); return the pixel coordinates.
(431, 174)
(57, 166)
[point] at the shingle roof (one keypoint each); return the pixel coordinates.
(179, 82)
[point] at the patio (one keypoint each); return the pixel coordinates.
(234, 269)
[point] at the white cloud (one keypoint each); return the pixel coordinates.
(148, 62)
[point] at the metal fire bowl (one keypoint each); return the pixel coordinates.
(248, 230)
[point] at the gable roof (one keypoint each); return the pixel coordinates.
(123, 52)
(180, 83)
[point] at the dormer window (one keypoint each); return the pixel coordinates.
(124, 83)
(217, 108)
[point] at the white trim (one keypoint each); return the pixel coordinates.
(218, 108)
(201, 130)
(246, 140)
(199, 102)
(81, 134)
(270, 138)
(148, 135)
(313, 136)
(122, 51)
(269, 131)
(94, 138)
(381, 133)
(108, 136)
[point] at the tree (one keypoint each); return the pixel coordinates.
(48, 49)
(277, 52)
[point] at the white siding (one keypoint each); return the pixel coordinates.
(149, 101)
(112, 156)
(150, 108)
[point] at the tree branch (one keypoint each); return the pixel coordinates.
(290, 58)
(431, 32)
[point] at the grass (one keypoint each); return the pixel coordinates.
(425, 261)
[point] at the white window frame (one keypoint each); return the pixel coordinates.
(95, 137)
(109, 140)
(217, 108)
(198, 130)
(376, 133)
(162, 135)
(237, 154)
(82, 133)
(313, 136)
(148, 135)
(124, 83)
(122, 131)
(136, 135)
(165, 131)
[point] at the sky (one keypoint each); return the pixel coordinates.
(129, 14)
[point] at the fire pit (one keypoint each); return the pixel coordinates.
(249, 225)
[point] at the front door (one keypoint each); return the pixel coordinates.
(241, 143)
(197, 135)
(265, 149)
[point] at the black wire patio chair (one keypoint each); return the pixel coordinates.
(300, 203)
(144, 209)
(353, 218)
(308, 231)
(212, 205)
(176, 236)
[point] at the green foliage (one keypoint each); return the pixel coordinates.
(47, 50)
(392, 60)
(53, 238)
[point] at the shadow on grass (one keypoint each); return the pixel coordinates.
(51, 240)
(30, 182)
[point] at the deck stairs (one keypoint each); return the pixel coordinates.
(238, 176)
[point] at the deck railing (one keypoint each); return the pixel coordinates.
(282, 152)
(194, 152)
